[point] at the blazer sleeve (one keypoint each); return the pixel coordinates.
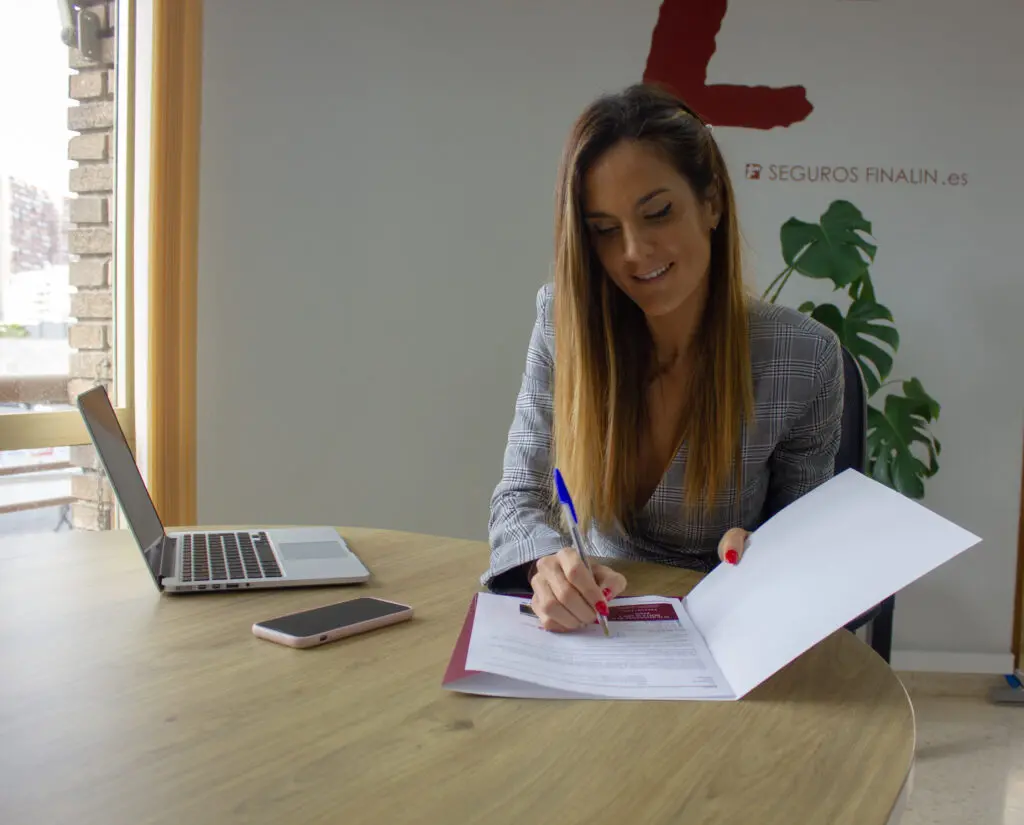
(805, 457)
(524, 523)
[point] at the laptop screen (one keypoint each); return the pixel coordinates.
(112, 447)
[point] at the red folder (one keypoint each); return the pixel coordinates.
(457, 664)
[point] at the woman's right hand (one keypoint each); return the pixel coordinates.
(565, 594)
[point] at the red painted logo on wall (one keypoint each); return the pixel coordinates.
(682, 46)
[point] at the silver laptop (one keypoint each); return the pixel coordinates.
(201, 561)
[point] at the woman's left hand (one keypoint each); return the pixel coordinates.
(733, 545)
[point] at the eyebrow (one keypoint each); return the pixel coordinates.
(640, 202)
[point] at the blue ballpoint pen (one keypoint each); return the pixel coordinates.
(569, 510)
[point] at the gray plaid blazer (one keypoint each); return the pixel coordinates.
(788, 449)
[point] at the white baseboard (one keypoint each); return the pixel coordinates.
(946, 662)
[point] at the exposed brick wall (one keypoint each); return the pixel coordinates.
(91, 89)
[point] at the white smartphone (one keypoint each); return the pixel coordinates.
(320, 625)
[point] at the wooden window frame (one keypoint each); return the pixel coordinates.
(40, 430)
(172, 262)
(173, 257)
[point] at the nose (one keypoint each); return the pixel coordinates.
(634, 247)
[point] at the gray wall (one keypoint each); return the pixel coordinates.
(376, 205)
(376, 212)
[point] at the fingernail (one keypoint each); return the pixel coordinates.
(602, 608)
(607, 592)
(732, 557)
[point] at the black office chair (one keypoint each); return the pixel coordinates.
(853, 453)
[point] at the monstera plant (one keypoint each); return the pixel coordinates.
(902, 452)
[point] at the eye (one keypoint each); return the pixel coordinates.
(603, 231)
(661, 213)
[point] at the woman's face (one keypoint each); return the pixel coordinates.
(651, 232)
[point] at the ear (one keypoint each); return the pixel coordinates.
(712, 208)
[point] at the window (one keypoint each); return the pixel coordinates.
(66, 306)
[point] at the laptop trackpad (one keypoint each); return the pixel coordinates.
(309, 550)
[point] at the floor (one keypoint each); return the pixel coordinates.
(970, 753)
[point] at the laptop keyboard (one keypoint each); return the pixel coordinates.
(208, 557)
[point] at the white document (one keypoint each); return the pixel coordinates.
(654, 652)
(829, 557)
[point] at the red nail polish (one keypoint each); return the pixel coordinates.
(732, 557)
(607, 592)
(602, 608)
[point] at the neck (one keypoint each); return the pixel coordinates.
(674, 333)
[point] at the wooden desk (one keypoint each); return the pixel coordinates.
(122, 707)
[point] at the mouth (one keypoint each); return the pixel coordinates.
(654, 275)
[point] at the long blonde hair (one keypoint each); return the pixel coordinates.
(603, 348)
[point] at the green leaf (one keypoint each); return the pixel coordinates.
(806, 306)
(865, 324)
(797, 235)
(892, 432)
(866, 289)
(915, 392)
(862, 289)
(830, 316)
(862, 332)
(830, 249)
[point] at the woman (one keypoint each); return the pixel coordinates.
(681, 411)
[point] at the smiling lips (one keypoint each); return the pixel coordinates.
(654, 274)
